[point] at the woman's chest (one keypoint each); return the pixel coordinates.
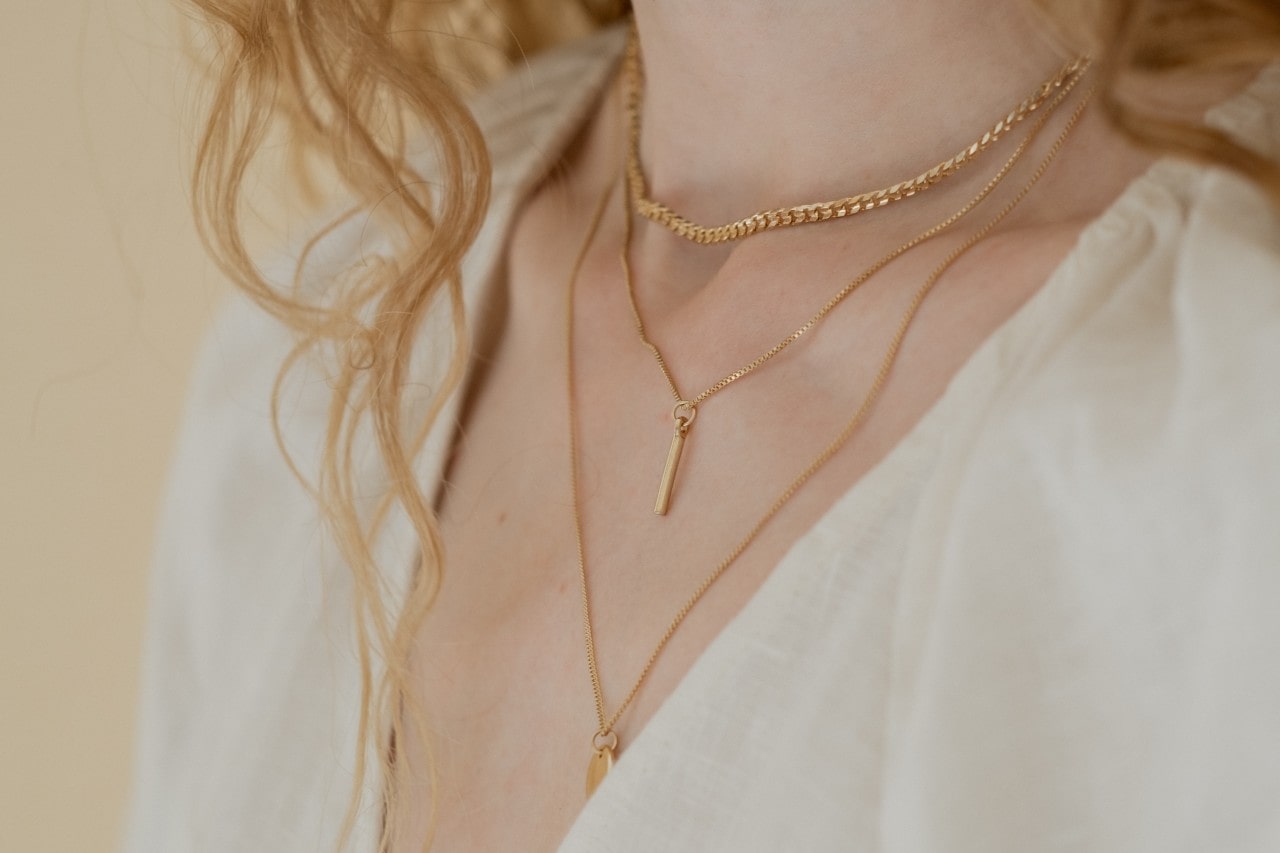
(501, 660)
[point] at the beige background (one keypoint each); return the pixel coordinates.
(103, 296)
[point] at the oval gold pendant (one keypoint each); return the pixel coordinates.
(601, 764)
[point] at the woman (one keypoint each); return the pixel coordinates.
(899, 516)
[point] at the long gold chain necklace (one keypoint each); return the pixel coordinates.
(605, 742)
(685, 409)
(820, 211)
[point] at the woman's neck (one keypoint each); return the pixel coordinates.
(754, 103)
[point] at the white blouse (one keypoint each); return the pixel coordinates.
(1049, 620)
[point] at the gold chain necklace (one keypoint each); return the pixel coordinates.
(605, 743)
(686, 408)
(820, 211)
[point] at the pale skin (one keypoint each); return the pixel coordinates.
(748, 105)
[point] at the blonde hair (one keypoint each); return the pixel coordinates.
(348, 82)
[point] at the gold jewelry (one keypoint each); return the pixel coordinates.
(605, 743)
(686, 408)
(820, 211)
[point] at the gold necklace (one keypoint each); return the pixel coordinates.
(685, 408)
(605, 743)
(820, 211)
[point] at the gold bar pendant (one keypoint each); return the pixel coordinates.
(669, 473)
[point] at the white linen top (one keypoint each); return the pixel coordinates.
(1049, 620)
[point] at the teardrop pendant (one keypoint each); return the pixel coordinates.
(599, 767)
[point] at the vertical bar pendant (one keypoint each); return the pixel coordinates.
(669, 473)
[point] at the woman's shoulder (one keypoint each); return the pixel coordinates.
(1134, 397)
(1173, 294)
(1153, 349)
(230, 446)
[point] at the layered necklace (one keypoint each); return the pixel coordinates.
(684, 409)
(605, 742)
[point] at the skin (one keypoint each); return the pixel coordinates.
(501, 659)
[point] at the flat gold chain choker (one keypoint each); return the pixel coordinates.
(823, 211)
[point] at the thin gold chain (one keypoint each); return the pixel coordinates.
(592, 665)
(691, 403)
(608, 722)
(820, 211)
